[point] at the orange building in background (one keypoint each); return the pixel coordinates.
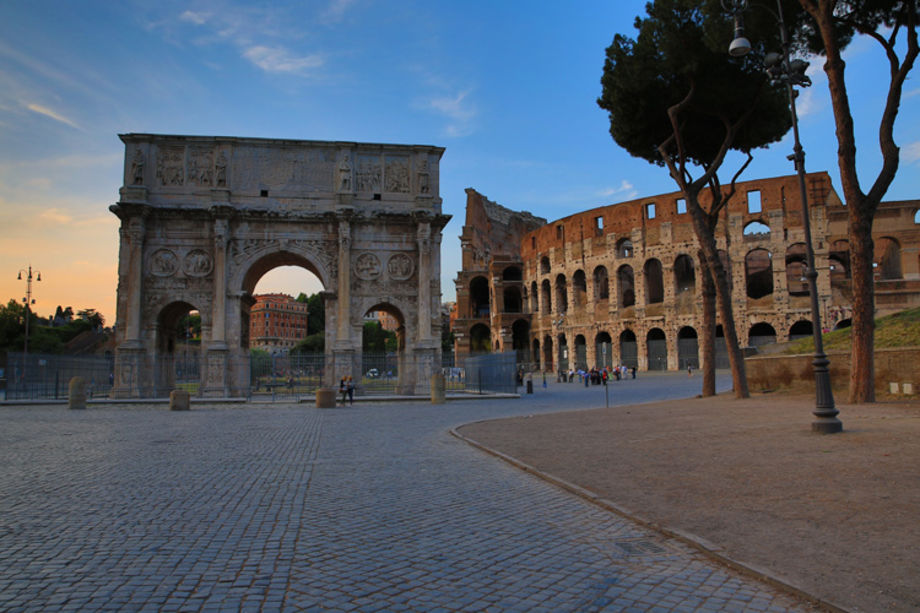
(277, 322)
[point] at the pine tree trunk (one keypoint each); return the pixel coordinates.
(862, 350)
(708, 333)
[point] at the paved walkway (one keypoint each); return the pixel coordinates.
(370, 508)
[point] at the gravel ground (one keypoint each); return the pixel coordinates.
(833, 515)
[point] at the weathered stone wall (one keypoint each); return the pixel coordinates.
(795, 372)
(620, 283)
(490, 295)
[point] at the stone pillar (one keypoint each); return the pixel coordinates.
(343, 318)
(133, 234)
(219, 307)
(424, 283)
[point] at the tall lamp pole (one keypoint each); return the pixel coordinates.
(28, 301)
(792, 72)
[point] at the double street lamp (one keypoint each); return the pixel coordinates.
(792, 72)
(28, 301)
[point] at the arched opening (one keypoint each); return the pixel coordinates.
(383, 351)
(801, 329)
(178, 338)
(562, 294)
(756, 230)
(624, 248)
(629, 349)
(654, 282)
(534, 298)
(603, 349)
(520, 332)
(545, 301)
(544, 265)
(795, 270)
(684, 275)
(839, 256)
(579, 288)
(512, 273)
(581, 353)
(563, 352)
(512, 299)
(657, 346)
(758, 273)
(480, 339)
(601, 283)
(626, 287)
(843, 323)
(479, 297)
(548, 365)
(887, 259)
(285, 326)
(688, 351)
(761, 334)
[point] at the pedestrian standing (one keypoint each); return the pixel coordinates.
(350, 387)
(342, 389)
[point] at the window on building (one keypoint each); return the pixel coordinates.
(560, 232)
(753, 201)
(599, 225)
(650, 210)
(681, 206)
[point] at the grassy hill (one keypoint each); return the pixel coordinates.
(899, 330)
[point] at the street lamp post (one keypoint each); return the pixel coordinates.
(28, 301)
(792, 72)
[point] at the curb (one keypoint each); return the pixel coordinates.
(711, 550)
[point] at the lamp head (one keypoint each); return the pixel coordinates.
(19, 276)
(740, 45)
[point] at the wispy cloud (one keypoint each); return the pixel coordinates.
(196, 18)
(457, 108)
(41, 110)
(335, 11)
(911, 152)
(277, 59)
(625, 191)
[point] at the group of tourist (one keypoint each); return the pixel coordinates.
(598, 376)
(347, 389)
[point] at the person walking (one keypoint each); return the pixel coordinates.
(350, 387)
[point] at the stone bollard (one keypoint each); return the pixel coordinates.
(179, 400)
(76, 393)
(437, 388)
(894, 388)
(325, 398)
(908, 389)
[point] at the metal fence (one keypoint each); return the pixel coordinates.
(37, 376)
(272, 377)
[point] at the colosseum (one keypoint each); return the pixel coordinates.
(619, 284)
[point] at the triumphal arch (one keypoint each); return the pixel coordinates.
(203, 218)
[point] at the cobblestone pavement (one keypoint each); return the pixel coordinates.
(288, 507)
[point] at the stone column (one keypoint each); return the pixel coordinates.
(344, 282)
(134, 233)
(424, 282)
(216, 357)
(219, 308)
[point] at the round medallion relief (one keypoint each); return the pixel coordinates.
(400, 266)
(198, 263)
(367, 266)
(163, 263)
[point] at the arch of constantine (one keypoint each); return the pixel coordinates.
(203, 218)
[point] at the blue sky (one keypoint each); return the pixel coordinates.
(509, 89)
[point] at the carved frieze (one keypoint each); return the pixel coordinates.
(397, 174)
(367, 266)
(163, 263)
(320, 251)
(400, 266)
(368, 174)
(171, 166)
(197, 263)
(201, 166)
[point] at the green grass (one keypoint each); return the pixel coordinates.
(898, 330)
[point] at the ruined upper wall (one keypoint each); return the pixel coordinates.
(273, 174)
(492, 230)
(779, 194)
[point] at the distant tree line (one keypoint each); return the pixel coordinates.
(46, 335)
